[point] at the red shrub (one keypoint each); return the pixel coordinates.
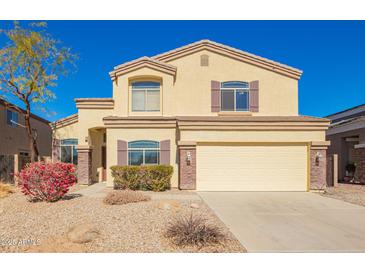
(46, 181)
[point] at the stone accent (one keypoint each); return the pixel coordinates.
(84, 165)
(329, 170)
(359, 155)
(187, 169)
(332, 170)
(318, 175)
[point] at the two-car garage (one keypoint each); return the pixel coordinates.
(251, 167)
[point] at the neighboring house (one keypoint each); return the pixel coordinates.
(14, 138)
(226, 120)
(347, 136)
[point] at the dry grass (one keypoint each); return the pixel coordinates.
(194, 231)
(122, 197)
(5, 190)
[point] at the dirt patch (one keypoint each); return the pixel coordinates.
(354, 194)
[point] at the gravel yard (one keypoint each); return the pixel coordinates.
(137, 227)
(354, 194)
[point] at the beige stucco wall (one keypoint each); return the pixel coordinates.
(251, 136)
(90, 119)
(155, 134)
(15, 139)
(190, 93)
(67, 131)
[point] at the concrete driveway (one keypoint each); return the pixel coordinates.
(290, 221)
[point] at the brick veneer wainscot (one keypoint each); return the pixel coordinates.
(187, 171)
(318, 169)
(359, 155)
(84, 166)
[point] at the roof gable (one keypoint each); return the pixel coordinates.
(160, 61)
(143, 62)
(229, 52)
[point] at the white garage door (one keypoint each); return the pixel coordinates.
(251, 168)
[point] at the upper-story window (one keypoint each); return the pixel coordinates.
(234, 96)
(12, 118)
(68, 151)
(146, 96)
(143, 153)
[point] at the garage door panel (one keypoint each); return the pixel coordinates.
(252, 168)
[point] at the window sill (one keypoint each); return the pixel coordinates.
(145, 113)
(234, 113)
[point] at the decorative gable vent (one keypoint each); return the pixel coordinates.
(204, 60)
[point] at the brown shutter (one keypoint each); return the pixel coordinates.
(122, 153)
(216, 96)
(254, 96)
(165, 152)
(56, 153)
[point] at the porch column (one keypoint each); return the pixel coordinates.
(318, 165)
(84, 175)
(360, 163)
(187, 165)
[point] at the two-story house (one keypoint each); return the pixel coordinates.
(226, 120)
(14, 139)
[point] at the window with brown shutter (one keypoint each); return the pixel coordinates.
(215, 96)
(254, 96)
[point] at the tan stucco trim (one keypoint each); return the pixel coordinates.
(187, 143)
(250, 143)
(251, 126)
(94, 103)
(298, 118)
(221, 123)
(69, 120)
(229, 52)
(232, 113)
(316, 145)
(84, 147)
(139, 122)
(142, 62)
(321, 143)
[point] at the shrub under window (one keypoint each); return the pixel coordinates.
(155, 178)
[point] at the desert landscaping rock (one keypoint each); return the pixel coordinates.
(82, 233)
(194, 205)
(137, 227)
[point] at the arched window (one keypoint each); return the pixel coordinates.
(145, 96)
(235, 96)
(143, 153)
(68, 151)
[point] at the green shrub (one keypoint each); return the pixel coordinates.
(155, 178)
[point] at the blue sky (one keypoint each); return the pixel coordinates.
(331, 54)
